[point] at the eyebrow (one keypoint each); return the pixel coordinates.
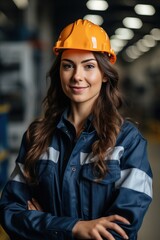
(84, 61)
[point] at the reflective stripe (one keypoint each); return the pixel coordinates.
(17, 174)
(85, 158)
(116, 154)
(136, 180)
(52, 155)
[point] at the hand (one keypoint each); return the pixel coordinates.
(97, 229)
(34, 205)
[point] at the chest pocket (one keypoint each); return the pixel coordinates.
(112, 175)
(96, 196)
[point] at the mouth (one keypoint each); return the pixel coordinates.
(78, 89)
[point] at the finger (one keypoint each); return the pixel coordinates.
(118, 218)
(95, 235)
(104, 233)
(117, 228)
(36, 204)
(30, 206)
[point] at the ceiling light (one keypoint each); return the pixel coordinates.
(97, 5)
(155, 32)
(117, 49)
(141, 46)
(144, 9)
(97, 19)
(124, 33)
(21, 3)
(132, 22)
(149, 41)
(117, 44)
(133, 52)
(130, 54)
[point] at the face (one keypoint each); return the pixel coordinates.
(81, 78)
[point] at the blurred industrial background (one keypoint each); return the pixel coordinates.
(28, 30)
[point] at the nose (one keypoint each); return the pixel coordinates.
(77, 74)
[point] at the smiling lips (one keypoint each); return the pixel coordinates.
(78, 89)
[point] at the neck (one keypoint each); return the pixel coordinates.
(77, 117)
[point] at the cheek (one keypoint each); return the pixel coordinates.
(65, 77)
(96, 79)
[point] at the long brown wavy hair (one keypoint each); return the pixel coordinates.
(107, 120)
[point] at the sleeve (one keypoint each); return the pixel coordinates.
(133, 191)
(20, 223)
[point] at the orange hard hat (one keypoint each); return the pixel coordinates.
(84, 35)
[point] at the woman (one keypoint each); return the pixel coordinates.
(82, 171)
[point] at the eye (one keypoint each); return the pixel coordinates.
(67, 66)
(89, 66)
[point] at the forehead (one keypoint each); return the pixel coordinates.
(77, 54)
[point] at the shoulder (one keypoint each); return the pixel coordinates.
(128, 126)
(129, 133)
(135, 153)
